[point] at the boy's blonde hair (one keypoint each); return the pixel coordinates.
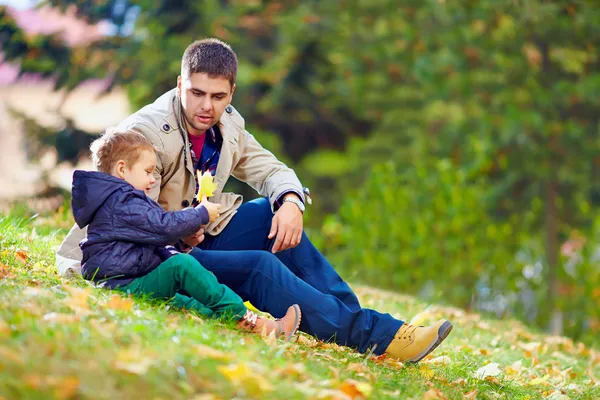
(115, 145)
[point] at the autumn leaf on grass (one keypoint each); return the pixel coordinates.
(426, 371)
(245, 379)
(206, 185)
(490, 370)
(208, 352)
(441, 360)
(118, 302)
(133, 361)
(22, 256)
(78, 301)
(434, 394)
(4, 328)
(356, 389)
(296, 370)
(5, 272)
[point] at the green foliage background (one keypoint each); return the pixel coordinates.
(453, 148)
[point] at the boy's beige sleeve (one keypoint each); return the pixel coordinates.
(69, 255)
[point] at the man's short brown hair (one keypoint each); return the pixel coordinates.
(211, 56)
(115, 145)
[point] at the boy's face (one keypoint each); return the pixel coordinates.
(141, 174)
(203, 100)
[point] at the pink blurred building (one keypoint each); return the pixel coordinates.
(35, 97)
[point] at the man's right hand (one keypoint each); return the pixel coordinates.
(195, 239)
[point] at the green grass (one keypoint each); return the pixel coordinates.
(66, 340)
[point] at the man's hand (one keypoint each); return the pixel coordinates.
(287, 225)
(195, 239)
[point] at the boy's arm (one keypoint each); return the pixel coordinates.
(142, 221)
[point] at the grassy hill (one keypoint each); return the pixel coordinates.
(66, 340)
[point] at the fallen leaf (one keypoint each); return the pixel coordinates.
(307, 341)
(329, 394)
(459, 382)
(426, 371)
(441, 360)
(356, 389)
(118, 302)
(242, 377)
(357, 367)
(22, 256)
(484, 352)
(434, 394)
(66, 388)
(209, 352)
(133, 361)
(471, 395)
(293, 370)
(5, 272)
(78, 301)
(488, 370)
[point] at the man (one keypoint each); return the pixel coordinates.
(259, 248)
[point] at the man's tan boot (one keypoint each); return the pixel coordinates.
(412, 343)
(283, 327)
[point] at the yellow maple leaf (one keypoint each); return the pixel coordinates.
(206, 185)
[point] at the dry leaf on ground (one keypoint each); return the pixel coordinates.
(22, 256)
(244, 378)
(118, 302)
(209, 352)
(434, 394)
(356, 389)
(488, 370)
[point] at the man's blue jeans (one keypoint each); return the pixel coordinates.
(240, 258)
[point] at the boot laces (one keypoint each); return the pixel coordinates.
(407, 331)
(250, 318)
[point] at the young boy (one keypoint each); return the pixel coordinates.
(127, 245)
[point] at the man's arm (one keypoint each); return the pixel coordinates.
(270, 177)
(260, 169)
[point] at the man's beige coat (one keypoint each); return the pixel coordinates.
(241, 157)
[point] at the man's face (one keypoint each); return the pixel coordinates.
(204, 100)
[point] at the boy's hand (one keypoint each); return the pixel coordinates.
(214, 210)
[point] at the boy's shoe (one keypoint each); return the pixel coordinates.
(412, 343)
(283, 327)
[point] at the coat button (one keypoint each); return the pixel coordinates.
(229, 109)
(166, 127)
(185, 203)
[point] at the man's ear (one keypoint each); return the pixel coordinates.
(120, 169)
(232, 90)
(179, 85)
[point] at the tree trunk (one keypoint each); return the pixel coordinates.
(552, 251)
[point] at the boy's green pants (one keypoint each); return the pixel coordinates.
(191, 286)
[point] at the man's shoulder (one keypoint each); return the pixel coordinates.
(156, 121)
(232, 121)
